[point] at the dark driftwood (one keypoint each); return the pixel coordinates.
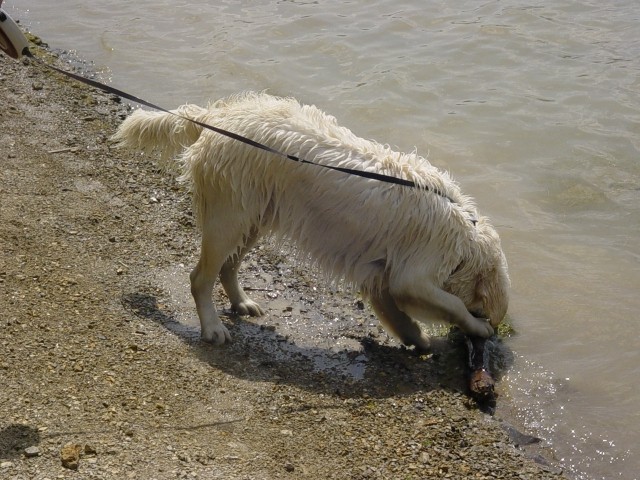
(481, 383)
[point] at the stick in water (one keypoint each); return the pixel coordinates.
(481, 383)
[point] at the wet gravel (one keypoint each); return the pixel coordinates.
(102, 374)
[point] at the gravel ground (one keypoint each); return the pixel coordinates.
(102, 374)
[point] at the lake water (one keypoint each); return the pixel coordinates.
(533, 106)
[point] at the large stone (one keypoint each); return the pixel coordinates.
(70, 456)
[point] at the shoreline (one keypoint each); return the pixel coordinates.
(92, 355)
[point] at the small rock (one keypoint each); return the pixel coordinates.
(518, 438)
(31, 452)
(4, 465)
(90, 450)
(289, 467)
(70, 456)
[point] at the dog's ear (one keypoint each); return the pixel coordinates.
(481, 292)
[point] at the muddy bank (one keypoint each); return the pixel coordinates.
(99, 351)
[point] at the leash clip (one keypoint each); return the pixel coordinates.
(12, 40)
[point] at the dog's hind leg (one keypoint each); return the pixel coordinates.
(397, 322)
(240, 301)
(219, 240)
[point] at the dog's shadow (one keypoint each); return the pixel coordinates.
(375, 369)
(15, 438)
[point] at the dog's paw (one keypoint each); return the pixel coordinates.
(479, 327)
(421, 342)
(248, 307)
(218, 335)
(422, 345)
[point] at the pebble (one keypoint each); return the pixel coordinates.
(31, 452)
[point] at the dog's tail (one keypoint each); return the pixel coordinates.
(168, 133)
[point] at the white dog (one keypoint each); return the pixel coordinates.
(415, 253)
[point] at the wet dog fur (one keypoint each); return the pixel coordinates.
(417, 254)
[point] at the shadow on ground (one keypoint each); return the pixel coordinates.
(373, 368)
(15, 438)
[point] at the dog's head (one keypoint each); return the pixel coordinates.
(481, 281)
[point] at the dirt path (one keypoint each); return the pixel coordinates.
(98, 345)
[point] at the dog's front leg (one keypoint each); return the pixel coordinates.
(431, 302)
(397, 322)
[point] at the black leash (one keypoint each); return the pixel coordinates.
(111, 90)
